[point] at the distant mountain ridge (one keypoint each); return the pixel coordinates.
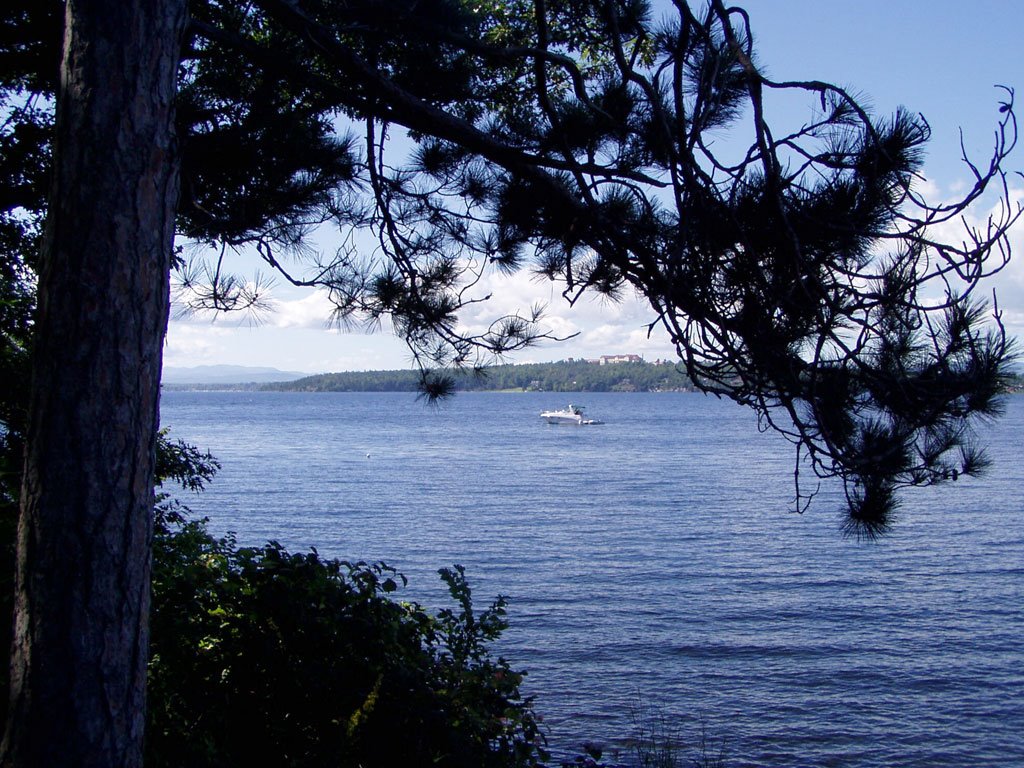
(227, 374)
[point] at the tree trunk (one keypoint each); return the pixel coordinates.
(79, 654)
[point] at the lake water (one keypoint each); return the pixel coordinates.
(653, 558)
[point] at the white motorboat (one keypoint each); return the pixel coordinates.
(573, 415)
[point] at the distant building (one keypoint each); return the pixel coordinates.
(611, 359)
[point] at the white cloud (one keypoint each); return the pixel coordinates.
(1008, 283)
(1013, 321)
(311, 311)
(292, 348)
(189, 344)
(1014, 272)
(597, 325)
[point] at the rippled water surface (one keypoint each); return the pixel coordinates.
(653, 558)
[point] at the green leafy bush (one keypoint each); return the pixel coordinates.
(261, 656)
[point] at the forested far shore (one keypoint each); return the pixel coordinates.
(563, 376)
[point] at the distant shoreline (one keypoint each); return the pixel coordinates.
(564, 376)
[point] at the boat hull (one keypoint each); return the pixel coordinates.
(554, 418)
(571, 416)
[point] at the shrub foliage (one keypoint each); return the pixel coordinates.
(262, 656)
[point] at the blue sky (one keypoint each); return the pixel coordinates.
(936, 57)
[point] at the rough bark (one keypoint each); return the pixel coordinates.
(80, 646)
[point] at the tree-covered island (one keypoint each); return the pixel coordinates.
(559, 376)
(562, 376)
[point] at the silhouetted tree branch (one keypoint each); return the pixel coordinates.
(797, 271)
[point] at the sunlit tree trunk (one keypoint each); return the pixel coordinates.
(80, 646)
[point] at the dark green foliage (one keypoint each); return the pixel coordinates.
(182, 463)
(28, 47)
(260, 159)
(29, 53)
(265, 657)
